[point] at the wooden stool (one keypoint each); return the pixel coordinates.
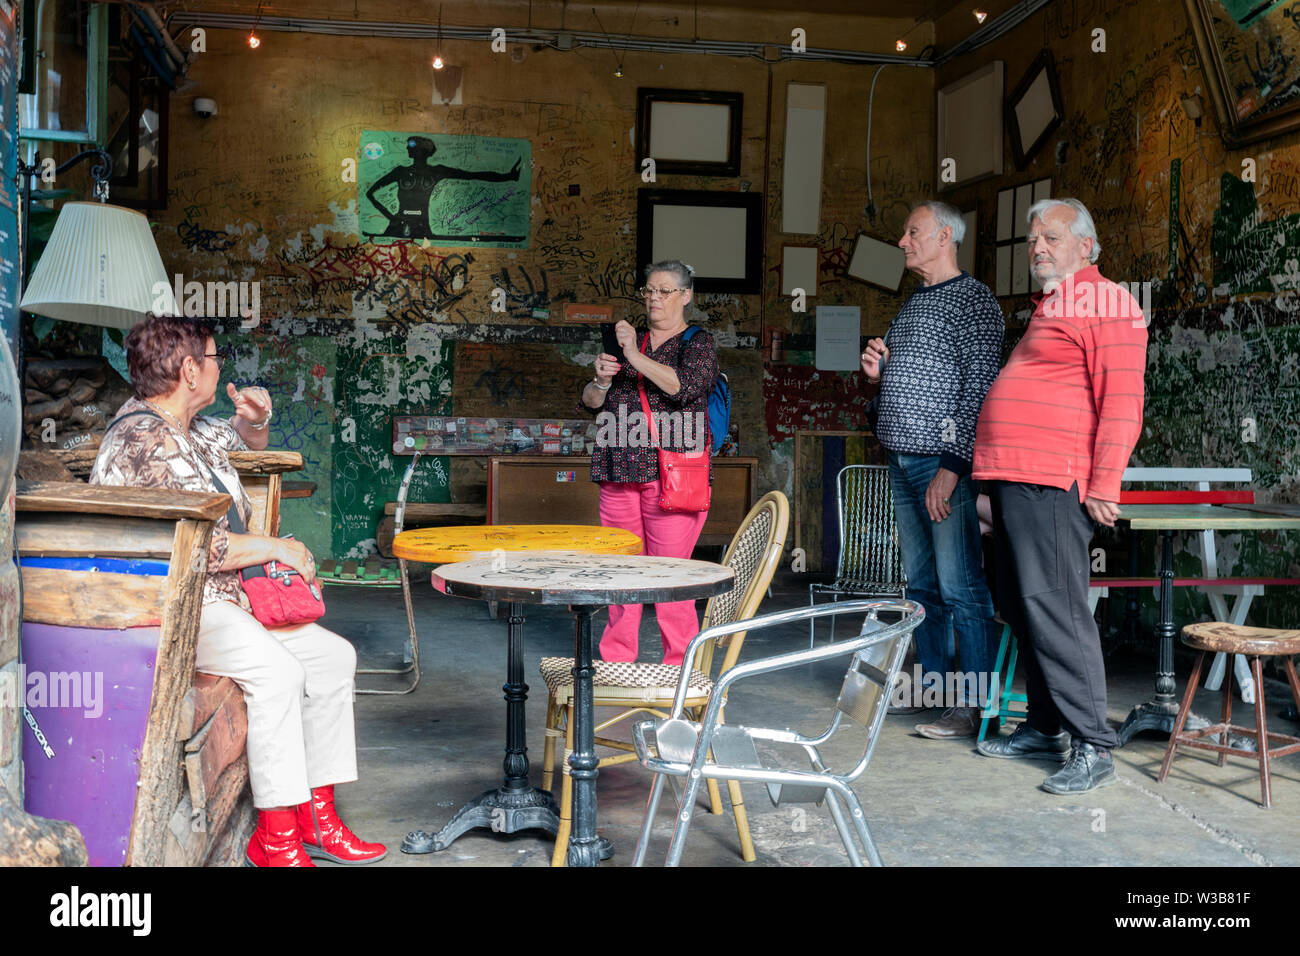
(1255, 643)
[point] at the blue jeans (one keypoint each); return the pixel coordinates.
(945, 575)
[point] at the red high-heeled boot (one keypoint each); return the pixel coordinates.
(325, 836)
(276, 841)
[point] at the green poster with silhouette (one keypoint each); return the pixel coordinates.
(449, 190)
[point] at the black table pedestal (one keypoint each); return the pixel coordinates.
(585, 847)
(1160, 712)
(515, 805)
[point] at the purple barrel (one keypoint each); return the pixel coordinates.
(88, 691)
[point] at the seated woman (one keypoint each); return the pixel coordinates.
(297, 681)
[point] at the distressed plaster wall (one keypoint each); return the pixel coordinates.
(256, 194)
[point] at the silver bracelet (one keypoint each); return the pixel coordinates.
(603, 388)
(261, 426)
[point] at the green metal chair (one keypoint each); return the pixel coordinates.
(1007, 646)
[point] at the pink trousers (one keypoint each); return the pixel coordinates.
(635, 507)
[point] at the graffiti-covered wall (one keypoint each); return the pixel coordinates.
(1176, 209)
(314, 180)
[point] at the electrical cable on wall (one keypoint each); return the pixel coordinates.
(871, 204)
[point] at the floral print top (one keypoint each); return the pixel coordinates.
(622, 453)
(150, 452)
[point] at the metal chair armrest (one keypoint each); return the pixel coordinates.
(777, 619)
(912, 615)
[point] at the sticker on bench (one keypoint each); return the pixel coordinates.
(566, 476)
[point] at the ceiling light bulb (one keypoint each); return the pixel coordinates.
(900, 45)
(253, 41)
(980, 16)
(437, 63)
(619, 71)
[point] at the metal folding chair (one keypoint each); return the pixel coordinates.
(710, 750)
(870, 563)
(413, 642)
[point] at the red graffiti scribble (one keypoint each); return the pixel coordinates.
(800, 398)
(834, 263)
(318, 371)
(341, 265)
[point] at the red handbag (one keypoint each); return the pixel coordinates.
(683, 475)
(276, 592)
(280, 596)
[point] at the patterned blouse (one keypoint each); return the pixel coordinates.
(682, 419)
(147, 452)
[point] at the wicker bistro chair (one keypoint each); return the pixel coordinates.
(754, 553)
(708, 750)
(870, 563)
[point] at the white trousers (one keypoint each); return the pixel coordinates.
(298, 685)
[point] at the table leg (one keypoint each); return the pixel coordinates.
(1132, 611)
(584, 845)
(516, 691)
(1160, 712)
(515, 805)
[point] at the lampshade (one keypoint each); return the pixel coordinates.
(100, 267)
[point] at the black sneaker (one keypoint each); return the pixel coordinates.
(1086, 769)
(1027, 744)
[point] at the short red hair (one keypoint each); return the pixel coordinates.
(156, 350)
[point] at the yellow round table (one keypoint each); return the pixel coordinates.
(462, 542)
(515, 805)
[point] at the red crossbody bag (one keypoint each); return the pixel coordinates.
(278, 595)
(683, 475)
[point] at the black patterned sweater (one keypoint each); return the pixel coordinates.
(944, 349)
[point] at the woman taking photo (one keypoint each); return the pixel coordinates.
(677, 376)
(297, 681)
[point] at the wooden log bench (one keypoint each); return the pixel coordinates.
(198, 809)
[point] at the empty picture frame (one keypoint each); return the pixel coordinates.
(966, 251)
(692, 132)
(876, 262)
(804, 145)
(719, 234)
(799, 269)
(1034, 109)
(1010, 272)
(970, 126)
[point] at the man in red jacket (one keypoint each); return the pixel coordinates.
(1054, 436)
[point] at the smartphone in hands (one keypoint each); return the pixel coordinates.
(609, 341)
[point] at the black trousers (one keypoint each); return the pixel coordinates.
(1041, 536)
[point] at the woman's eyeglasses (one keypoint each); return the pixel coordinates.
(220, 358)
(648, 293)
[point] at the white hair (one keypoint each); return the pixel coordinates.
(945, 215)
(685, 274)
(1082, 228)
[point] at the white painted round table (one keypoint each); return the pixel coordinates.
(585, 582)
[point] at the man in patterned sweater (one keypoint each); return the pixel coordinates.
(1055, 435)
(934, 366)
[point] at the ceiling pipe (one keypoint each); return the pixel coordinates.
(549, 38)
(995, 28)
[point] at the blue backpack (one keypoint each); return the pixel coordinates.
(719, 400)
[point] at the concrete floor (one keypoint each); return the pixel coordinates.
(927, 802)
